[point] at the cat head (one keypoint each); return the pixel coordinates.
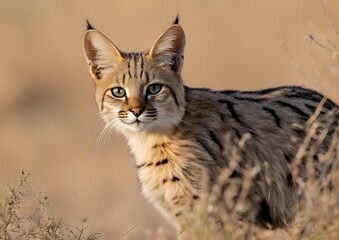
(138, 92)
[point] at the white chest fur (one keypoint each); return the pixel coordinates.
(161, 165)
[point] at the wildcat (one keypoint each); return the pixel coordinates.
(177, 133)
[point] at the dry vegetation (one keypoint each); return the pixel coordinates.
(26, 215)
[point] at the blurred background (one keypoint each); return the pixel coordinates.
(48, 117)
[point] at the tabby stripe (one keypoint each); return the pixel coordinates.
(102, 99)
(230, 107)
(123, 79)
(159, 145)
(301, 133)
(162, 162)
(178, 214)
(308, 96)
(313, 108)
(290, 181)
(175, 179)
(314, 97)
(227, 92)
(237, 133)
(222, 117)
(141, 65)
(147, 77)
(235, 174)
(234, 114)
(294, 109)
(144, 165)
(174, 96)
(195, 197)
(274, 115)
(129, 65)
(265, 91)
(209, 151)
(136, 60)
(288, 158)
(216, 140)
(250, 99)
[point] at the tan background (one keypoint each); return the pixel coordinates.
(48, 117)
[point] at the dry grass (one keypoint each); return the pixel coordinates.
(26, 215)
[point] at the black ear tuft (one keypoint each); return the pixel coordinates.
(89, 26)
(176, 20)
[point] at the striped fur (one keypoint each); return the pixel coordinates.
(179, 133)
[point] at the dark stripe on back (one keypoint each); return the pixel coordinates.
(235, 115)
(230, 107)
(265, 91)
(216, 140)
(229, 92)
(207, 149)
(309, 96)
(257, 100)
(294, 109)
(311, 108)
(274, 115)
(300, 132)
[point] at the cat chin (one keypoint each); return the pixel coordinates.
(142, 127)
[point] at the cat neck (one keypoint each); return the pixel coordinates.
(142, 143)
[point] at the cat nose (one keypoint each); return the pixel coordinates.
(137, 111)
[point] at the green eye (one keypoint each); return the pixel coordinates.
(118, 92)
(154, 89)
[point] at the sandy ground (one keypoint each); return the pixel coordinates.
(48, 117)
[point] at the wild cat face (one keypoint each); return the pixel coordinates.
(138, 91)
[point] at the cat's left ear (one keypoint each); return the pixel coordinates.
(168, 50)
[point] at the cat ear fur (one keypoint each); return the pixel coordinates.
(101, 54)
(169, 48)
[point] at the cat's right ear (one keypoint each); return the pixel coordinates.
(101, 54)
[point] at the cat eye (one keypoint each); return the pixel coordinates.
(118, 92)
(153, 89)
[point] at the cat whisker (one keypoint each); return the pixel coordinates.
(107, 129)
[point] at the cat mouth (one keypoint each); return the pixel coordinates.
(137, 122)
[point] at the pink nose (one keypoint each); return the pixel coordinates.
(137, 111)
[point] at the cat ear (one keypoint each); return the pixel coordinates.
(168, 50)
(101, 54)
